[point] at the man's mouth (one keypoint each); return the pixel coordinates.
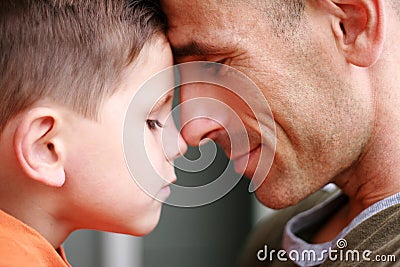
(240, 158)
(242, 162)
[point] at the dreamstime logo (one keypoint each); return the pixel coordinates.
(310, 257)
(222, 95)
(341, 243)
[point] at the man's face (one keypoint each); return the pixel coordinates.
(322, 111)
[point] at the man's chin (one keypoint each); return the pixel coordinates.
(271, 201)
(276, 197)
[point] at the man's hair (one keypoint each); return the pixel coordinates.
(71, 51)
(396, 6)
(285, 15)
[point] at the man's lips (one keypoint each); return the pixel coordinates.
(246, 149)
(241, 155)
(223, 140)
(242, 162)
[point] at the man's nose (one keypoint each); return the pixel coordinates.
(198, 129)
(198, 114)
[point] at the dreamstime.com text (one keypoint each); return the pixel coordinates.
(339, 253)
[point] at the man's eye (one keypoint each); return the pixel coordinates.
(215, 66)
(153, 124)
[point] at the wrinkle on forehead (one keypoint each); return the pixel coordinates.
(208, 17)
(197, 12)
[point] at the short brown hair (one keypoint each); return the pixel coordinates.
(71, 51)
(285, 15)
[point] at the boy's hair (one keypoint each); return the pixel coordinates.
(69, 51)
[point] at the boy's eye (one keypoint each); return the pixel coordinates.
(153, 124)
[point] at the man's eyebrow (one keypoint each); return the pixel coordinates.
(193, 49)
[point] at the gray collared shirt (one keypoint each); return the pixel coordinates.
(307, 254)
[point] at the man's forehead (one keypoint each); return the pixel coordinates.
(205, 27)
(181, 5)
(181, 12)
(180, 34)
(190, 30)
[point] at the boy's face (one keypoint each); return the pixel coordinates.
(104, 195)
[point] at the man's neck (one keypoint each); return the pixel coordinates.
(376, 174)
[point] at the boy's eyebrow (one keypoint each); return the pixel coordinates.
(161, 102)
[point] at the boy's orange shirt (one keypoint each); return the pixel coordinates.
(20, 245)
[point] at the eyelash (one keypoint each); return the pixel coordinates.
(153, 124)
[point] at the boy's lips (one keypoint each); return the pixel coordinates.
(165, 191)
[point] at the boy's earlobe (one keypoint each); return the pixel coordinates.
(39, 147)
(359, 29)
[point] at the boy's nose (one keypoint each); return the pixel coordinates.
(174, 145)
(182, 147)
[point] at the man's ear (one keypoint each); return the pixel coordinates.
(359, 28)
(39, 148)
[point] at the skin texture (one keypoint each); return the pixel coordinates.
(330, 83)
(70, 172)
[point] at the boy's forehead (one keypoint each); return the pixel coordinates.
(155, 56)
(151, 78)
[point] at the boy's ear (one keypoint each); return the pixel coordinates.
(39, 148)
(359, 27)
